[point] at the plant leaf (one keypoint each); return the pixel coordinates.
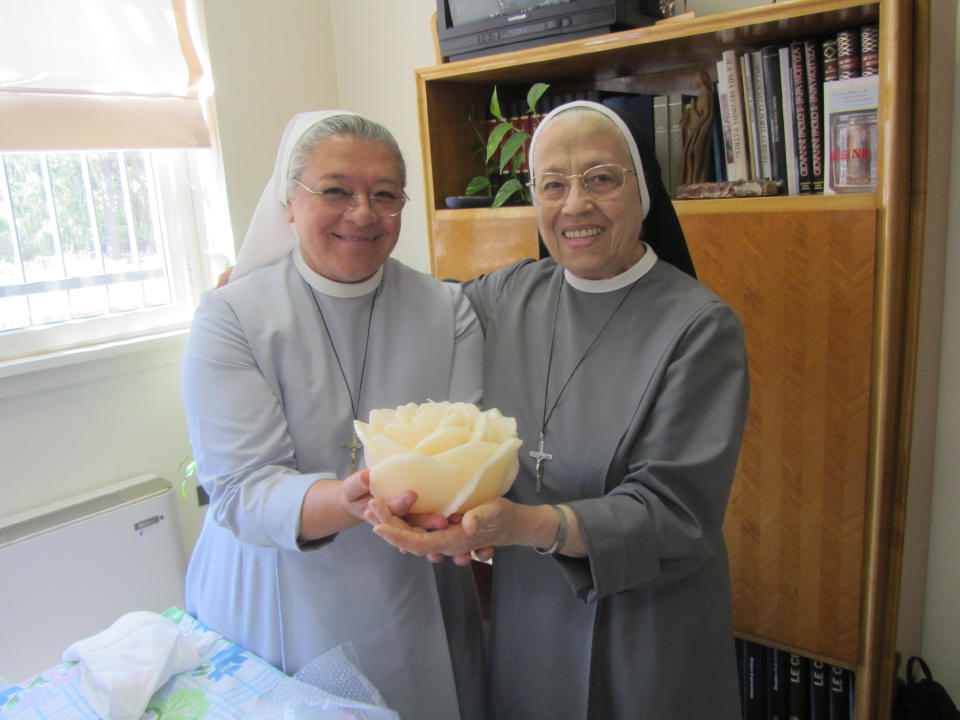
(506, 191)
(495, 105)
(534, 94)
(477, 184)
(496, 135)
(511, 146)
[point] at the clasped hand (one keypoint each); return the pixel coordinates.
(435, 536)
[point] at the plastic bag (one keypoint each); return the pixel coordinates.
(331, 687)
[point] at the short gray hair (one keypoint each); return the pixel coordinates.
(336, 125)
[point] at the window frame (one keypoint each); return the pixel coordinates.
(190, 255)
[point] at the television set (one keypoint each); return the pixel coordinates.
(472, 28)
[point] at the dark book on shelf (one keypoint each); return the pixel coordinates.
(777, 698)
(772, 95)
(661, 137)
(798, 687)
(760, 105)
(638, 105)
(738, 645)
(819, 691)
(801, 117)
(719, 160)
(754, 683)
(851, 690)
(839, 699)
(869, 50)
(811, 56)
(848, 54)
(675, 106)
(789, 124)
(828, 54)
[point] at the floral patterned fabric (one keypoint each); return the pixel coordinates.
(227, 684)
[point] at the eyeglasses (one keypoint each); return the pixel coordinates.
(601, 182)
(337, 199)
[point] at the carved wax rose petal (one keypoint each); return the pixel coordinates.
(453, 455)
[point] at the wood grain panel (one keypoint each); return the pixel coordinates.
(467, 243)
(802, 283)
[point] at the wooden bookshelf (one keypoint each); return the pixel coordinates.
(821, 283)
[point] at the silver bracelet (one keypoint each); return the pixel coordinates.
(561, 538)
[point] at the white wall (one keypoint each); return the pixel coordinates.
(378, 81)
(941, 628)
(270, 60)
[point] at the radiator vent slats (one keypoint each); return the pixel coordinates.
(37, 524)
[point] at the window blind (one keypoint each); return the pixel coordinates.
(97, 74)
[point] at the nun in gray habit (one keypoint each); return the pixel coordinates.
(317, 327)
(629, 382)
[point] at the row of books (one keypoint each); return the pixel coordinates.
(777, 685)
(802, 114)
(774, 118)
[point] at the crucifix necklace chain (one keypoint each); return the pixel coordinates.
(354, 444)
(539, 455)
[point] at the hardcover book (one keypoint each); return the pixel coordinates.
(719, 152)
(801, 117)
(773, 98)
(819, 691)
(811, 54)
(661, 137)
(798, 687)
(735, 106)
(789, 136)
(869, 50)
(848, 54)
(675, 106)
(839, 700)
(723, 100)
(760, 103)
(777, 698)
(828, 54)
(750, 115)
(754, 684)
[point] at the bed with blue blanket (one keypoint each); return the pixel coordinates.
(225, 681)
(229, 683)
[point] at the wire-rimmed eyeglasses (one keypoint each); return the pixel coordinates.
(601, 182)
(337, 199)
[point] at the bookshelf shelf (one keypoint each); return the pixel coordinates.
(821, 283)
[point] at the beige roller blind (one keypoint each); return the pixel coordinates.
(85, 74)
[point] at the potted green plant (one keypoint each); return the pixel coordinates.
(503, 151)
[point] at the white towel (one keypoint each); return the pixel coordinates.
(124, 665)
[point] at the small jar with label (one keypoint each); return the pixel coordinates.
(853, 152)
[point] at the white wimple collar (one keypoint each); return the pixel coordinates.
(627, 277)
(326, 286)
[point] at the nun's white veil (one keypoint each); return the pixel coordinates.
(270, 236)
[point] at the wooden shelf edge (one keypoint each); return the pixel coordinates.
(778, 204)
(727, 22)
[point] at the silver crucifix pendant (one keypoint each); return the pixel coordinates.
(354, 446)
(541, 458)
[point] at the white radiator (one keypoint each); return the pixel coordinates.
(69, 569)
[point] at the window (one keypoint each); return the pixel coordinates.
(112, 206)
(86, 251)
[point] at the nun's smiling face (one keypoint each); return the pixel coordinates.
(592, 238)
(346, 242)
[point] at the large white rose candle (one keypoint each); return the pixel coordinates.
(453, 455)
